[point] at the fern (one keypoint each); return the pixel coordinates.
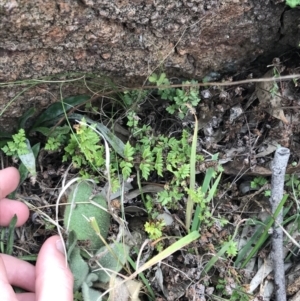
(18, 146)
(84, 148)
(154, 229)
(57, 138)
(146, 169)
(128, 152)
(126, 169)
(126, 164)
(159, 162)
(183, 172)
(169, 197)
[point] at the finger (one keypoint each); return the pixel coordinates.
(54, 280)
(9, 208)
(9, 180)
(7, 293)
(19, 273)
(25, 297)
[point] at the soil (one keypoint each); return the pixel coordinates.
(237, 121)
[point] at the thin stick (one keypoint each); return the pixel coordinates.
(278, 172)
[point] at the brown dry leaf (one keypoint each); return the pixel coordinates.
(293, 287)
(268, 99)
(127, 291)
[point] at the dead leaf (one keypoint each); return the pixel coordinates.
(271, 100)
(127, 291)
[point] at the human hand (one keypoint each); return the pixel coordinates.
(50, 279)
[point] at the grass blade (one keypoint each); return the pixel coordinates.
(208, 177)
(190, 202)
(169, 251)
(265, 234)
(11, 229)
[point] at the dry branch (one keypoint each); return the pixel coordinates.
(278, 172)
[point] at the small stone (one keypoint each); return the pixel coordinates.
(106, 55)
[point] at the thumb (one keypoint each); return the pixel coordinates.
(54, 280)
(7, 293)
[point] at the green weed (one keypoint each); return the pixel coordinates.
(165, 157)
(17, 146)
(259, 182)
(292, 3)
(180, 98)
(233, 291)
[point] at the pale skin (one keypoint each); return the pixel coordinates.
(50, 279)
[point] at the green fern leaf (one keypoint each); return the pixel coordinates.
(159, 162)
(128, 151)
(126, 169)
(147, 153)
(145, 168)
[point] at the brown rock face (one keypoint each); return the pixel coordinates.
(124, 39)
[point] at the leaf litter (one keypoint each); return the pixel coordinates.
(244, 124)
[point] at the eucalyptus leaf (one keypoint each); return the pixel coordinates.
(56, 110)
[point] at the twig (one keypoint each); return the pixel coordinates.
(278, 172)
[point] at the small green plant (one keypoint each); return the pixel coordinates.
(169, 157)
(293, 182)
(106, 257)
(8, 248)
(165, 156)
(58, 138)
(234, 291)
(131, 98)
(17, 146)
(292, 3)
(180, 98)
(232, 248)
(102, 267)
(87, 220)
(81, 209)
(84, 148)
(78, 296)
(198, 197)
(154, 228)
(20, 148)
(127, 164)
(259, 182)
(239, 294)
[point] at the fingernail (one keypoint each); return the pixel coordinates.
(60, 246)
